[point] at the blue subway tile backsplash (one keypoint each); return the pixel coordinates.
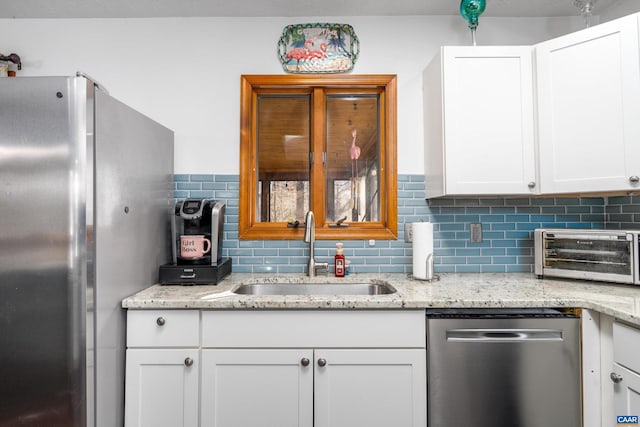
(623, 212)
(507, 225)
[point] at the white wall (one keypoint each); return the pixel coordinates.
(185, 72)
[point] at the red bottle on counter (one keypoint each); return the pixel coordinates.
(339, 261)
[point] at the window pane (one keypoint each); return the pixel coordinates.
(289, 200)
(283, 157)
(341, 199)
(353, 147)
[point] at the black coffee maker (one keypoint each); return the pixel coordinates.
(197, 230)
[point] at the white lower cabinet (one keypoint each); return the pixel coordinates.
(257, 387)
(610, 352)
(321, 368)
(321, 388)
(162, 368)
(626, 370)
(276, 368)
(161, 388)
(373, 388)
(626, 394)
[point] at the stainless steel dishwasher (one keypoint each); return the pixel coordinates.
(503, 368)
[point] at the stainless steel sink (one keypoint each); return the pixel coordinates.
(315, 289)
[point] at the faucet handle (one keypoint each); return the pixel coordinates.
(321, 266)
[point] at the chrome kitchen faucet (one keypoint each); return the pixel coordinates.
(310, 237)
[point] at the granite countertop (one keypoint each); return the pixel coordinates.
(465, 290)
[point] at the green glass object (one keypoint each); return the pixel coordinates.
(471, 11)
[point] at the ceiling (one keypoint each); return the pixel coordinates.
(285, 8)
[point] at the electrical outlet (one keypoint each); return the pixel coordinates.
(476, 232)
(408, 232)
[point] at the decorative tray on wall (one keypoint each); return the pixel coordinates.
(318, 48)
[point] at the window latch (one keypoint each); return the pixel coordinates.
(340, 223)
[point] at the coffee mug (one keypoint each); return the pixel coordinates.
(194, 246)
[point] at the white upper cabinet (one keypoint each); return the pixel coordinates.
(588, 92)
(479, 122)
(497, 123)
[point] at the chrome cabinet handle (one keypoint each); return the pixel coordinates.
(188, 361)
(616, 378)
(160, 321)
(304, 361)
(531, 185)
(634, 179)
(322, 362)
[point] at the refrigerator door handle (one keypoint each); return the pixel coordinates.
(503, 335)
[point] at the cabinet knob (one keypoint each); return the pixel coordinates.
(531, 185)
(160, 321)
(616, 378)
(304, 361)
(188, 361)
(322, 362)
(634, 179)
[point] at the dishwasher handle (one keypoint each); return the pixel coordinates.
(503, 335)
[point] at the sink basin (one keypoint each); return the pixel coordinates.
(315, 289)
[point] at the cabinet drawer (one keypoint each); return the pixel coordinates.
(626, 346)
(163, 328)
(314, 328)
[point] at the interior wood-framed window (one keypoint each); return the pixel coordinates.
(325, 143)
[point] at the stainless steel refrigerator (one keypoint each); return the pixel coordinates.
(85, 191)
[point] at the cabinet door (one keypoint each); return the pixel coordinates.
(257, 388)
(626, 394)
(488, 121)
(373, 388)
(626, 347)
(589, 102)
(161, 388)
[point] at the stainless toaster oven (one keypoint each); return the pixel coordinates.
(602, 255)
